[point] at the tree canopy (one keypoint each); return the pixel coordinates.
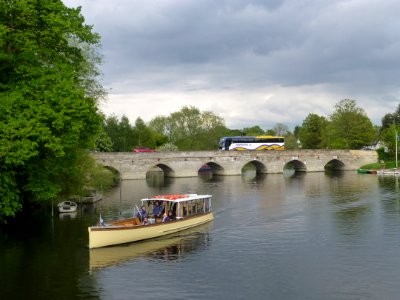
(312, 130)
(191, 129)
(48, 96)
(349, 127)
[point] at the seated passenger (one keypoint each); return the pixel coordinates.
(142, 213)
(171, 215)
(165, 218)
(145, 221)
(157, 210)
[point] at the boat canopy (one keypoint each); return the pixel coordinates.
(182, 205)
(176, 198)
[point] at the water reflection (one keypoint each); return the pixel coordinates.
(332, 173)
(158, 179)
(171, 247)
(70, 215)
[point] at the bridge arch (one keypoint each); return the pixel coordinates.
(211, 167)
(334, 165)
(255, 165)
(295, 165)
(167, 170)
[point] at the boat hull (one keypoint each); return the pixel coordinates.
(114, 235)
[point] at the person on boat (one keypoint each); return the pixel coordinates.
(165, 218)
(145, 221)
(157, 210)
(171, 215)
(142, 213)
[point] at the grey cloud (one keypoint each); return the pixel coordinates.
(349, 47)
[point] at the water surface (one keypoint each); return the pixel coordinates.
(313, 236)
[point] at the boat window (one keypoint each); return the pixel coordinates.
(207, 205)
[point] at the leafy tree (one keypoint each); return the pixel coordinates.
(270, 132)
(125, 135)
(291, 141)
(312, 131)
(143, 136)
(190, 129)
(253, 131)
(103, 142)
(392, 118)
(349, 127)
(120, 133)
(163, 128)
(167, 147)
(48, 96)
(390, 130)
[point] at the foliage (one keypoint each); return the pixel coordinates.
(253, 131)
(190, 129)
(103, 142)
(390, 131)
(143, 136)
(48, 96)
(291, 141)
(312, 131)
(390, 136)
(124, 137)
(391, 118)
(349, 127)
(167, 147)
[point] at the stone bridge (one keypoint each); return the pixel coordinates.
(225, 163)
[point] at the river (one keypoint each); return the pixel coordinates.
(308, 236)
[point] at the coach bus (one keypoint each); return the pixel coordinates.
(262, 142)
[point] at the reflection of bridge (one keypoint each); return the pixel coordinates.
(187, 164)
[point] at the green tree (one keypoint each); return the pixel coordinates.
(253, 131)
(48, 96)
(143, 136)
(392, 118)
(125, 135)
(120, 132)
(311, 132)
(389, 130)
(349, 127)
(190, 129)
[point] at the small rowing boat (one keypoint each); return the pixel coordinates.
(185, 211)
(67, 207)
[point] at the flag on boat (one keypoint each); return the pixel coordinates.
(101, 221)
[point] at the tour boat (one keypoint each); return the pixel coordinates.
(67, 207)
(169, 247)
(189, 210)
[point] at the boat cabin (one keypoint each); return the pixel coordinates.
(181, 205)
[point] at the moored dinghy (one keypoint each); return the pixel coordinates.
(188, 210)
(67, 207)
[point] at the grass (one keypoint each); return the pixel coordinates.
(377, 166)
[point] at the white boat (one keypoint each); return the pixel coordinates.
(67, 206)
(190, 210)
(392, 172)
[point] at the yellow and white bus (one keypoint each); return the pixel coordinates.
(262, 142)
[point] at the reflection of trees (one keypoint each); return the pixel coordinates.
(388, 185)
(157, 179)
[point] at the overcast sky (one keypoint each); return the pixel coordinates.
(250, 62)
